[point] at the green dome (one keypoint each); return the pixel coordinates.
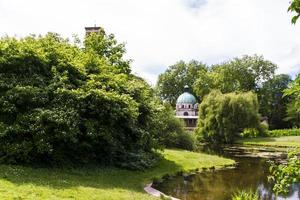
(187, 98)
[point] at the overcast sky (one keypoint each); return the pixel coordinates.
(158, 33)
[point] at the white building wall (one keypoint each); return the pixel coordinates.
(186, 108)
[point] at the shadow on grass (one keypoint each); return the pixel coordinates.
(265, 139)
(95, 177)
(259, 139)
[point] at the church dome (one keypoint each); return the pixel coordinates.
(186, 97)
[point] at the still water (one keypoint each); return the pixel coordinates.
(250, 174)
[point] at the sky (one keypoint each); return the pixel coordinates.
(159, 33)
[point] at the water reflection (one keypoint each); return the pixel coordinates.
(251, 174)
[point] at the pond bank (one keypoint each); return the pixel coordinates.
(97, 183)
(283, 141)
(250, 173)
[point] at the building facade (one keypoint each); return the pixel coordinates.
(187, 109)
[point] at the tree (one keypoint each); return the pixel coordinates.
(60, 103)
(293, 108)
(272, 103)
(171, 83)
(295, 8)
(107, 47)
(222, 117)
(240, 74)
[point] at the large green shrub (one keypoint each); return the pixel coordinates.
(68, 103)
(172, 132)
(222, 117)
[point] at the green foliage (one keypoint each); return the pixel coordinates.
(248, 73)
(293, 108)
(107, 47)
(250, 133)
(171, 83)
(293, 113)
(60, 103)
(172, 132)
(295, 8)
(181, 140)
(255, 132)
(243, 74)
(283, 132)
(240, 74)
(264, 127)
(285, 175)
(222, 117)
(245, 195)
(272, 103)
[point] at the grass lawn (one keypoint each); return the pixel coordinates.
(17, 182)
(284, 141)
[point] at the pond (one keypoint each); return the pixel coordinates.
(250, 174)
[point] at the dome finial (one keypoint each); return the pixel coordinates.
(186, 88)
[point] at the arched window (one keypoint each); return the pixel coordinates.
(182, 106)
(186, 114)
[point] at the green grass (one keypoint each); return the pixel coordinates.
(284, 141)
(17, 182)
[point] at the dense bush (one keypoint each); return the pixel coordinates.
(180, 139)
(64, 103)
(222, 117)
(283, 132)
(172, 132)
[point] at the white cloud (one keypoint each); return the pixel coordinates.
(158, 33)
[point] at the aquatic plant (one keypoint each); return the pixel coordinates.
(245, 195)
(285, 175)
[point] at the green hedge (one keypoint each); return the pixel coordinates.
(283, 132)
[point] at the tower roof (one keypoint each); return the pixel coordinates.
(92, 29)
